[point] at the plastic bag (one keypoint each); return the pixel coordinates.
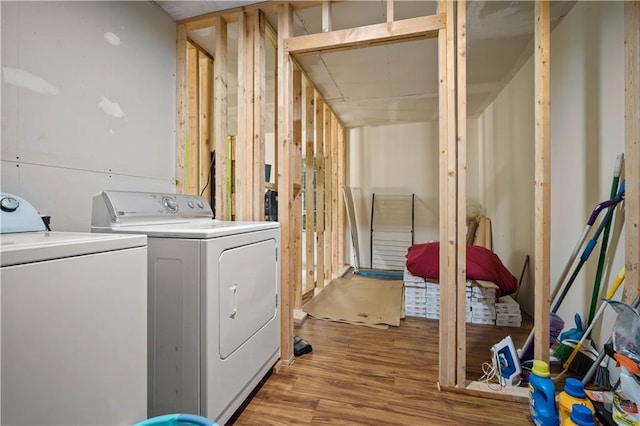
(626, 330)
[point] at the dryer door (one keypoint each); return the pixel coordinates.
(248, 292)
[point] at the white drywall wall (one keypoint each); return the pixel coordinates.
(88, 103)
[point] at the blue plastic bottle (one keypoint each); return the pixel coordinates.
(542, 396)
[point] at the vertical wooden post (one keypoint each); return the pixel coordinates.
(320, 205)
(309, 188)
(328, 188)
(192, 149)
(181, 106)
(341, 183)
(220, 120)
(334, 196)
(632, 145)
(461, 121)
(296, 174)
(448, 190)
(259, 101)
(542, 191)
(389, 10)
(204, 166)
(245, 139)
(326, 16)
(285, 185)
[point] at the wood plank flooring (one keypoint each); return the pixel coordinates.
(358, 375)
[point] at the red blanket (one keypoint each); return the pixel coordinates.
(423, 260)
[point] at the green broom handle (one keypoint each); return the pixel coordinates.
(605, 239)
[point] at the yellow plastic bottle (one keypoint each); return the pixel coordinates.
(573, 394)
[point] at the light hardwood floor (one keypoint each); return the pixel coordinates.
(363, 376)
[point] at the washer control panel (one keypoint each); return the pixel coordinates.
(18, 215)
(125, 206)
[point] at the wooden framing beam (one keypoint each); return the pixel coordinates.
(542, 191)
(390, 10)
(205, 103)
(309, 186)
(192, 149)
(220, 127)
(259, 102)
(285, 184)
(448, 198)
(296, 174)
(272, 37)
(181, 107)
(326, 16)
(632, 145)
(335, 266)
(231, 15)
(370, 35)
(244, 137)
(341, 211)
(328, 189)
(320, 206)
(461, 238)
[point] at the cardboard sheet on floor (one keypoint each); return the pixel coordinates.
(361, 301)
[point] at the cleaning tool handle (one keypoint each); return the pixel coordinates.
(601, 206)
(612, 291)
(605, 241)
(559, 284)
(590, 245)
(587, 250)
(617, 170)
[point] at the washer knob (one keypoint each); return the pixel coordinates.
(190, 204)
(9, 204)
(201, 204)
(170, 204)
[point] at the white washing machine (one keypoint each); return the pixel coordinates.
(214, 288)
(73, 316)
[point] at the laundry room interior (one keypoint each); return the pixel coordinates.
(346, 212)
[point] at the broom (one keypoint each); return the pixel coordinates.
(579, 362)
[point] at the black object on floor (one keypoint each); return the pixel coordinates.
(602, 414)
(300, 347)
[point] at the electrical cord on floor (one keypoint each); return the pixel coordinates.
(492, 372)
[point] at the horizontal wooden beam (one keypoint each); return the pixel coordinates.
(369, 35)
(231, 15)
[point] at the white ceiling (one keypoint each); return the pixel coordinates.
(399, 82)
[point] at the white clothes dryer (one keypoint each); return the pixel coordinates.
(214, 288)
(73, 323)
